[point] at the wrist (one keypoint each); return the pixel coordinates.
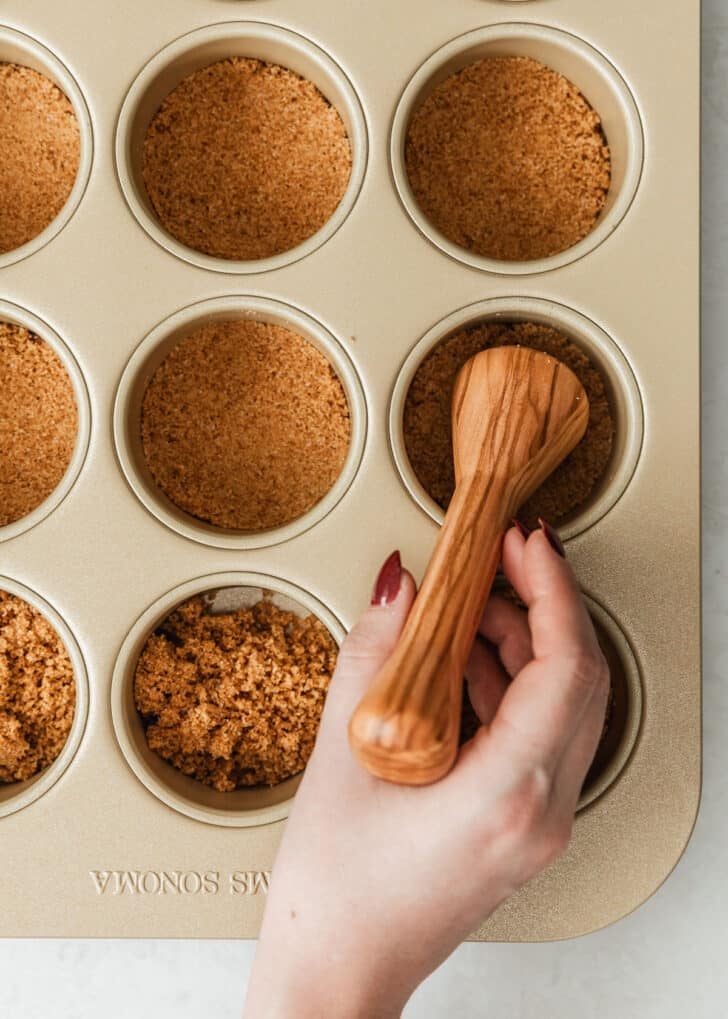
(294, 984)
(306, 1000)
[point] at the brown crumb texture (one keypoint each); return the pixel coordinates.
(41, 148)
(38, 421)
(37, 691)
(508, 160)
(245, 160)
(234, 699)
(245, 425)
(428, 430)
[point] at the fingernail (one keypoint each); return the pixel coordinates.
(388, 582)
(521, 528)
(553, 539)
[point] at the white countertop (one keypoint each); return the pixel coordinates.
(666, 961)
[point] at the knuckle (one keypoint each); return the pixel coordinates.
(374, 635)
(553, 843)
(358, 645)
(589, 668)
(528, 806)
(604, 677)
(531, 833)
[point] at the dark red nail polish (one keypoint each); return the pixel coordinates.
(521, 528)
(388, 582)
(553, 539)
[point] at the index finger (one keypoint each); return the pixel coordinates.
(547, 701)
(545, 582)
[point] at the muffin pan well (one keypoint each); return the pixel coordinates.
(598, 81)
(60, 648)
(47, 157)
(243, 807)
(42, 454)
(270, 44)
(150, 355)
(111, 840)
(622, 391)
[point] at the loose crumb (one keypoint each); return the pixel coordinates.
(508, 160)
(234, 699)
(38, 421)
(41, 150)
(428, 430)
(37, 691)
(245, 160)
(245, 425)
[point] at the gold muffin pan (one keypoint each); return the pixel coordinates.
(111, 841)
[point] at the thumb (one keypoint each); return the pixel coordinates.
(371, 641)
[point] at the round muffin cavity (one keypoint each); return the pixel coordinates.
(245, 425)
(245, 160)
(41, 150)
(234, 699)
(38, 421)
(428, 430)
(37, 691)
(508, 160)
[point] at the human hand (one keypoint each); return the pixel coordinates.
(375, 884)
